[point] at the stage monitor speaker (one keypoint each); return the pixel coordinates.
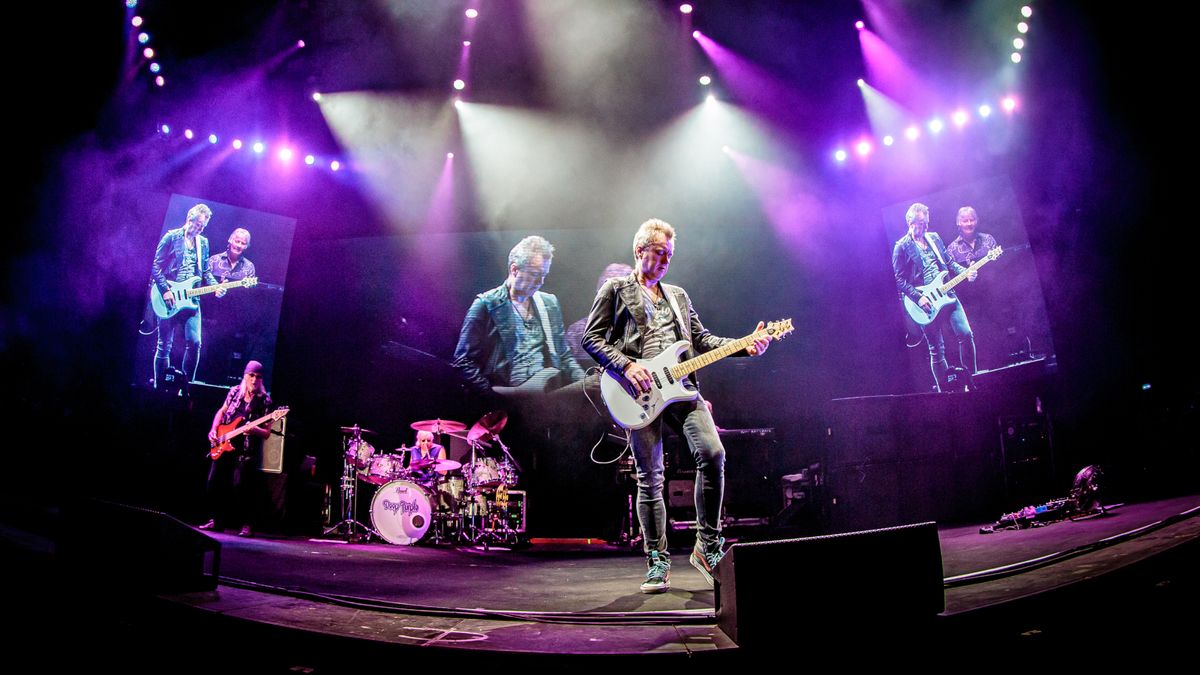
(272, 454)
(114, 548)
(882, 582)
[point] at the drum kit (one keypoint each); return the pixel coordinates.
(418, 498)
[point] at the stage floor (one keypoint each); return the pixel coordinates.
(585, 599)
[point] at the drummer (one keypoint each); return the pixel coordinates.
(425, 454)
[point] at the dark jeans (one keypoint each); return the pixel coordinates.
(233, 486)
(694, 423)
(189, 322)
(956, 318)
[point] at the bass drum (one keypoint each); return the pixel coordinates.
(401, 512)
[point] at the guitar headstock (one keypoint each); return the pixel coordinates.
(248, 282)
(995, 253)
(278, 413)
(778, 329)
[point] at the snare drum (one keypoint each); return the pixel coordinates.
(484, 473)
(384, 468)
(401, 512)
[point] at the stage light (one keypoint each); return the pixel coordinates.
(1022, 27)
(160, 80)
(466, 43)
(187, 133)
(1146, 387)
(912, 133)
(136, 21)
(888, 140)
(860, 82)
(685, 8)
(335, 165)
(460, 85)
(1026, 11)
(705, 80)
(316, 96)
(960, 117)
(1009, 104)
(237, 144)
(165, 129)
(935, 125)
(148, 52)
(711, 99)
(840, 155)
(300, 44)
(860, 25)
(449, 155)
(154, 67)
(259, 147)
(1018, 43)
(695, 35)
(310, 160)
(212, 138)
(985, 110)
(472, 13)
(131, 3)
(143, 38)
(1016, 57)
(863, 148)
(726, 149)
(458, 103)
(285, 155)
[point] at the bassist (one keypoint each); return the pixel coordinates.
(233, 478)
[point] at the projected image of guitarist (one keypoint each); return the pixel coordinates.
(921, 262)
(234, 480)
(635, 319)
(182, 254)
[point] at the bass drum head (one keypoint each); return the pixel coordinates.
(401, 512)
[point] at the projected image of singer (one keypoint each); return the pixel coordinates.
(512, 340)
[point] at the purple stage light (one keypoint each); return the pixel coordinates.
(861, 83)
(472, 13)
(860, 25)
(1016, 57)
(148, 52)
(696, 35)
(1009, 104)
(840, 155)
(460, 85)
(449, 155)
(710, 99)
(310, 160)
(1018, 43)
(458, 103)
(165, 129)
(985, 110)
(335, 165)
(187, 133)
(143, 38)
(685, 8)
(285, 154)
(154, 67)
(1026, 11)
(960, 117)
(259, 147)
(136, 21)
(935, 125)
(160, 80)
(466, 43)
(212, 138)
(888, 140)
(912, 133)
(131, 3)
(237, 144)
(300, 44)
(1022, 27)
(705, 80)
(316, 96)
(863, 148)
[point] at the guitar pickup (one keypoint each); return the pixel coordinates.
(667, 373)
(657, 382)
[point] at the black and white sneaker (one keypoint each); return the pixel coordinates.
(706, 560)
(658, 577)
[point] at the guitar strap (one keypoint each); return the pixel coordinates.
(683, 332)
(936, 252)
(541, 308)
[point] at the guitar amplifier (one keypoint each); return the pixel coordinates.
(272, 451)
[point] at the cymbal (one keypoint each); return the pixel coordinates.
(434, 464)
(438, 426)
(491, 423)
(356, 429)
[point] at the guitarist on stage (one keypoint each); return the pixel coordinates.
(637, 316)
(234, 479)
(917, 258)
(182, 253)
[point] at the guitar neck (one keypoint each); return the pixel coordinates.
(963, 275)
(685, 368)
(249, 425)
(193, 292)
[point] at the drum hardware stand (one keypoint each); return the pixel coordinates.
(349, 526)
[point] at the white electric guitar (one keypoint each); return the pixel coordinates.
(938, 291)
(633, 409)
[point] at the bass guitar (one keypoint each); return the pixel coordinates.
(228, 432)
